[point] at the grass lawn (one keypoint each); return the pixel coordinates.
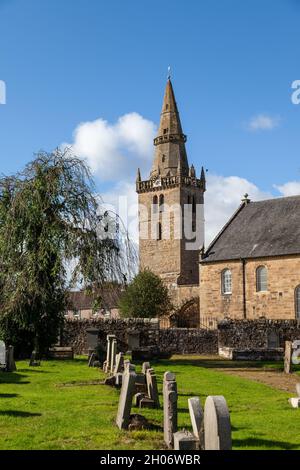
(60, 405)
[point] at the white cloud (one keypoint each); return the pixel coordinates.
(263, 122)
(115, 150)
(291, 188)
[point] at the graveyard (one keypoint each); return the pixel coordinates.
(64, 404)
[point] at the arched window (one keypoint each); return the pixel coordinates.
(159, 231)
(261, 279)
(226, 281)
(161, 203)
(155, 203)
(297, 302)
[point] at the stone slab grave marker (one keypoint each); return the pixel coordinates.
(2, 355)
(10, 361)
(152, 387)
(119, 363)
(34, 361)
(185, 440)
(113, 355)
(92, 338)
(125, 400)
(170, 407)
(217, 427)
(197, 419)
(109, 341)
(145, 367)
(287, 357)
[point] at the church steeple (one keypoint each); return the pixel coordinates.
(170, 154)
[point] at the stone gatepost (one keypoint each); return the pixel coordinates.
(170, 407)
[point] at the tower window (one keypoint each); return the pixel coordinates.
(161, 203)
(155, 204)
(167, 106)
(163, 158)
(166, 131)
(159, 231)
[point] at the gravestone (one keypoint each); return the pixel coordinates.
(2, 355)
(133, 339)
(10, 361)
(152, 387)
(145, 367)
(287, 357)
(217, 427)
(34, 361)
(92, 359)
(185, 440)
(113, 355)
(119, 363)
(197, 419)
(298, 389)
(109, 341)
(273, 340)
(170, 407)
(92, 338)
(294, 402)
(125, 400)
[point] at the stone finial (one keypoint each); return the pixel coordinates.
(192, 171)
(138, 176)
(246, 199)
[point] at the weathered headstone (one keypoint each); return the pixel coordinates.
(294, 402)
(34, 360)
(133, 339)
(287, 357)
(273, 340)
(170, 407)
(119, 363)
(125, 400)
(92, 335)
(128, 366)
(152, 387)
(146, 402)
(184, 440)
(145, 367)
(217, 427)
(197, 419)
(10, 361)
(2, 355)
(113, 355)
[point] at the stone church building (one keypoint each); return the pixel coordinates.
(250, 270)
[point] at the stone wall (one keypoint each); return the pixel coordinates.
(255, 334)
(173, 340)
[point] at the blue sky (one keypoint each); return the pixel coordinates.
(67, 62)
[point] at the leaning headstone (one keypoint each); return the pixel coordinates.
(152, 387)
(119, 363)
(92, 359)
(2, 355)
(10, 361)
(34, 361)
(287, 357)
(217, 427)
(197, 419)
(170, 407)
(145, 367)
(113, 355)
(185, 440)
(125, 400)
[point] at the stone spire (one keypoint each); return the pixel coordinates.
(170, 154)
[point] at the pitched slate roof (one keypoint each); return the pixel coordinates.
(108, 297)
(259, 229)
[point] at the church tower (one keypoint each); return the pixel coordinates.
(171, 203)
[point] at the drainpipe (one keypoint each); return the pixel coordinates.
(244, 288)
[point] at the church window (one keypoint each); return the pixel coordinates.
(297, 302)
(155, 204)
(166, 131)
(226, 281)
(261, 279)
(161, 203)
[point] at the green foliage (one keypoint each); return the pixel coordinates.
(51, 232)
(145, 297)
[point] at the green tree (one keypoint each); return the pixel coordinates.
(53, 235)
(145, 297)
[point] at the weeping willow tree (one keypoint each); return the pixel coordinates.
(53, 235)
